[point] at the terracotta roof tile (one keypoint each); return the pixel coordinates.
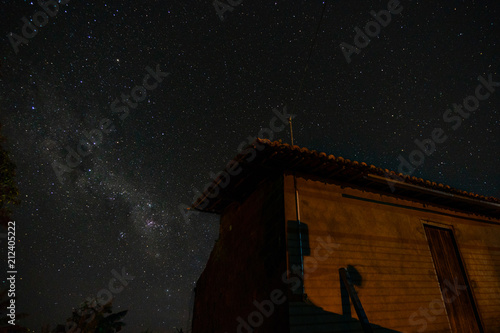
(281, 157)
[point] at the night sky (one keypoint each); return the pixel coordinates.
(118, 208)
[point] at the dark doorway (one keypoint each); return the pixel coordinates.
(455, 288)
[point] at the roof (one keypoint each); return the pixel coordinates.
(263, 159)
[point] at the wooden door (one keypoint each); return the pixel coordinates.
(459, 302)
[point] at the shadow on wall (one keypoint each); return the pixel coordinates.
(305, 316)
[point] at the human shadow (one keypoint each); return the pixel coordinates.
(304, 315)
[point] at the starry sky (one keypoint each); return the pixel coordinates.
(118, 207)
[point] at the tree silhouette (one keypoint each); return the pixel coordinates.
(92, 317)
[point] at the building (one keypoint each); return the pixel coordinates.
(310, 242)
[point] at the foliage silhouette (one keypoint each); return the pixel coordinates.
(92, 317)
